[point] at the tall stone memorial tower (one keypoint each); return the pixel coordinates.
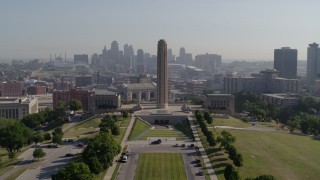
(162, 75)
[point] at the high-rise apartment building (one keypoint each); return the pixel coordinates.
(140, 62)
(208, 62)
(162, 75)
(285, 61)
(313, 63)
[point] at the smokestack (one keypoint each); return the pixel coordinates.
(50, 57)
(55, 57)
(65, 56)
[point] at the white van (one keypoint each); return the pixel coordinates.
(124, 158)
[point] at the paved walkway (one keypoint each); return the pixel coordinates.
(251, 128)
(204, 156)
(111, 169)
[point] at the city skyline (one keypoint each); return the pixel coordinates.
(237, 30)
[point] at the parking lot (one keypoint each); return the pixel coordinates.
(55, 158)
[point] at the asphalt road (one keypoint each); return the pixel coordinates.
(127, 169)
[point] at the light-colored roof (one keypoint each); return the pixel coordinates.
(137, 86)
(103, 92)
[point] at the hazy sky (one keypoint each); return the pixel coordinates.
(246, 29)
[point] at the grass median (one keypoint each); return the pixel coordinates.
(160, 166)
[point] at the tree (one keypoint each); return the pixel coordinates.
(232, 151)
(38, 153)
(95, 166)
(58, 131)
(115, 130)
(74, 171)
(33, 121)
(228, 170)
(226, 138)
(293, 123)
(59, 113)
(115, 118)
(103, 147)
(57, 138)
(124, 114)
(210, 120)
(234, 176)
(211, 139)
(37, 138)
(14, 136)
(206, 115)
(238, 161)
(75, 105)
(47, 136)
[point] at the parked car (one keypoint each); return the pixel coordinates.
(37, 145)
(183, 145)
(128, 152)
(80, 145)
(200, 173)
(53, 146)
(191, 145)
(156, 142)
(69, 155)
(124, 158)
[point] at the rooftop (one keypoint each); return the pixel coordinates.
(140, 86)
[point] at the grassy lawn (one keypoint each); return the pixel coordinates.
(6, 163)
(160, 166)
(85, 129)
(231, 121)
(18, 173)
(282, 155)
(138, 127)
(162, 133)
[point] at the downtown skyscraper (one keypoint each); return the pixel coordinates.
(285, 61)
(313, 63)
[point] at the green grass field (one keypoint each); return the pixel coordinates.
(160, 166)
(231, 121)
(138, 128)
(83, 129)
(282, 155)
(162, 133)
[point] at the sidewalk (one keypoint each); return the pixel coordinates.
(202, 151)
(111, 169)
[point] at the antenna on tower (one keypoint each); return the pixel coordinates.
(65, 56)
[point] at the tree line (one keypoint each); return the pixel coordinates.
(303, 115)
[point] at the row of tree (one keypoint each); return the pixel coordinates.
(108, 124)
(47, 116)
(204, 128)
(303, 116)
